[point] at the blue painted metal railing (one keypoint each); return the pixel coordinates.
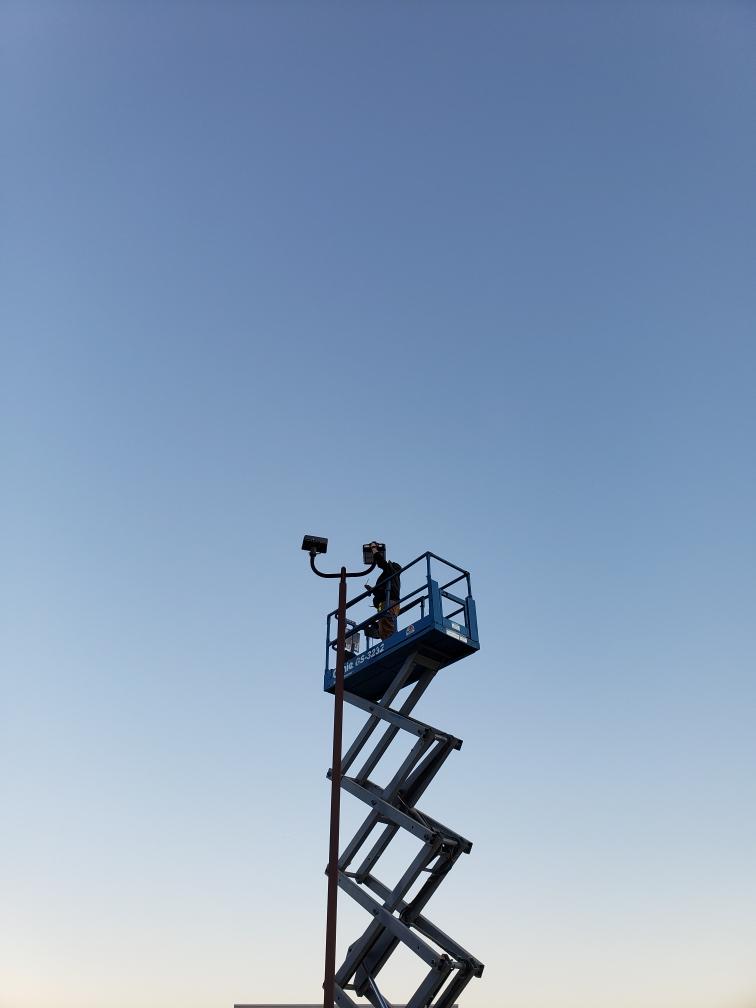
(431, 598)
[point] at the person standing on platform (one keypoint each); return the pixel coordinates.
(387, 591)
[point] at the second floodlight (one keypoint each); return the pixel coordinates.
(367, 552)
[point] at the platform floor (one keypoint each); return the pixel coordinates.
(370, 674)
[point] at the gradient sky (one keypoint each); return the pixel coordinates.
(469, 277)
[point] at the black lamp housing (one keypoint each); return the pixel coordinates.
(314, 544)
(367, 552)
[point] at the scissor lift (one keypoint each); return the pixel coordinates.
(441, 629)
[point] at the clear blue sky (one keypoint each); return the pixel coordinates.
(473, 277)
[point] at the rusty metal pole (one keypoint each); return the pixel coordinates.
(329, 984)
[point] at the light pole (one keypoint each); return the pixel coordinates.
(314, 545)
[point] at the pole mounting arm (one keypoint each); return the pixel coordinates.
(343, 571)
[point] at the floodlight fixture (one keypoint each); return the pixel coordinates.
(367, 551)
(314, 544)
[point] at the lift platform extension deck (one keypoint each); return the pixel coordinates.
(436, 628)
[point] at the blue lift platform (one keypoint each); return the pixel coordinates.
(436, 627)
(436, 624)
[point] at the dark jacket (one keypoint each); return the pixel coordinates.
(388, 587)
